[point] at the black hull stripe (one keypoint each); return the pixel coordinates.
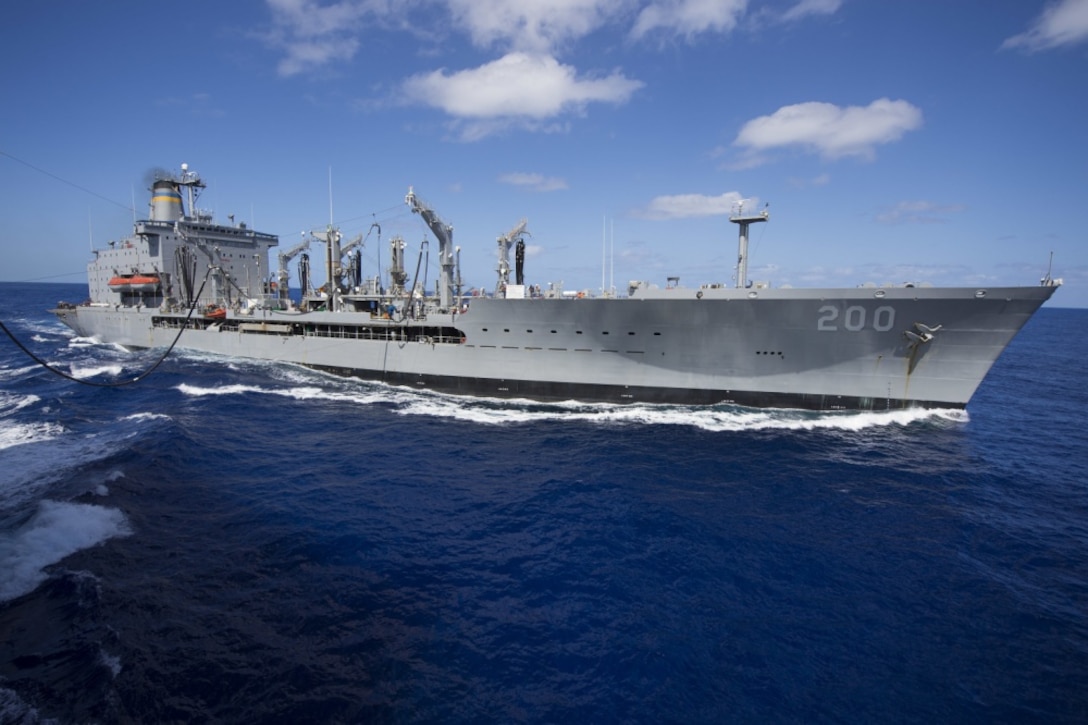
(556, 391)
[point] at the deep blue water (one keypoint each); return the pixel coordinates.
(246, 542)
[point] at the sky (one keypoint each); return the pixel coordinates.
(893, 140)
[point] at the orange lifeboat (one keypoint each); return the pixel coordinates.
(135, 283)
(215, 313)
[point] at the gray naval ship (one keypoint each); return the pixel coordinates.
(180, 277)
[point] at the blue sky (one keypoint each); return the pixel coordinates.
(919, 140)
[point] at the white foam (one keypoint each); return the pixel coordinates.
(12, 402)
(296, 393)
(710, 418)
(79, 342)
(197, 391)
(42, 326)
(141, 417)
(14, 709)
(20, 434)
(58, 529)
(226, 361)
(493, 411)
(13, 373)
(92, 371)
(38, 454)
(111, 662)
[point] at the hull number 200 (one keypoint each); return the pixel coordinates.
(855, 318)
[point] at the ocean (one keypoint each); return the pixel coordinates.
(245, 542)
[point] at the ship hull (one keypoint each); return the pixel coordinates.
(833, 349)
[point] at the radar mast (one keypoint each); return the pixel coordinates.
(743, 221)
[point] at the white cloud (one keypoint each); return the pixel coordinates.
(532, 26)
(830, 130)
(313, 34)
(527, 88)
(1061, 23)
(749, 160)
(308, 55)
(918, 212)
(683, 206)
(804, 8)
(799, 183)
(689, 17)
(536, 182)
(517, 89)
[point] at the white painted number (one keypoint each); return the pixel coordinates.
(827, 318)
(884, 319)
(854, 319)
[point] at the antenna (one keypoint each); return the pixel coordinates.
(330, 195)
(604, 229)
(612, 262)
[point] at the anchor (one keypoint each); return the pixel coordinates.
(921, 334)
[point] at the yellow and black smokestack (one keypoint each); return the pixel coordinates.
(166, 201)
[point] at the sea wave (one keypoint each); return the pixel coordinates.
(36, 454)
(14, 709)
(13, 373)
(13, 402)
(297, 393)
(716, 418)
(55, 531)
(495, 411)
(18, 434)
(40, 328)
(80, 342)
(91, 371)
(143, 417)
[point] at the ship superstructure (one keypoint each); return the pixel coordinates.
(871, 348)
(168, 255)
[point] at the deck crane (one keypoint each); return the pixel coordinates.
(444, 233)
(505, 241)
(283, 276)
(331, 237)
(352, 268)
(356, 241)
(397, 275)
